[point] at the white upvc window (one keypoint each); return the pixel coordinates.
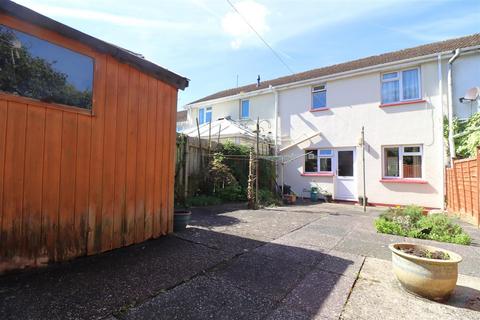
(318, 161)
(401, 86)
(403, 162)
(245, 109)
(205, 115)
(319, 97)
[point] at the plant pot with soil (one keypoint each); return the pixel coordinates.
(424, 270)
(181, 218)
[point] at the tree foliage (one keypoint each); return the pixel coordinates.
(466, 145)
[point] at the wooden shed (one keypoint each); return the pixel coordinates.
(87, 141)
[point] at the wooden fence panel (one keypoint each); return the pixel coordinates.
(462, 189)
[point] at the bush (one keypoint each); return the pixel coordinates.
(410, 222)
(202, 200)
(267, 198)
(232, 194)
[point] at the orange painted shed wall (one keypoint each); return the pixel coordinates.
(75, 182)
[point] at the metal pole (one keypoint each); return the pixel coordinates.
(257, 164)
(363, 165)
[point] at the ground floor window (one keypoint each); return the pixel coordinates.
(402, 162)
(318, 160)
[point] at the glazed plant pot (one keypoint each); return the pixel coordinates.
(433, 279)
(181, 218)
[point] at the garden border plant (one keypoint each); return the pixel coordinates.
(409, 221)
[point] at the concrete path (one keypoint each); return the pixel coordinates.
(296, 262)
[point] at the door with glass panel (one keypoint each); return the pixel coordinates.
(345, 184)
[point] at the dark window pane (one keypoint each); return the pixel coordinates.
(411, 149)
(311, 164)
(345, 163)
(326, 164)
(391, 162)
(412, 166)
(35, 68)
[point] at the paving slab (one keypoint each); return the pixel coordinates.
(378, 295)
(220, 240)
(309, 237)
(93, 287)
(306, 255)
(203, 298)
(273, 278)
(341, 263)
(321, 294)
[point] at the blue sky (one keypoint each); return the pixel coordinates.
(206, 41)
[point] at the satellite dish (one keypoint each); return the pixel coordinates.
(472, 94)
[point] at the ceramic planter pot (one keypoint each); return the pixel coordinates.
(430, 278)
(181, 218)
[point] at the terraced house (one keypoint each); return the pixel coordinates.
(400, 98)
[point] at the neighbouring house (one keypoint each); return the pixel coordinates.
(226, 129)
(400, 98)
(87, 142)
(182, 120)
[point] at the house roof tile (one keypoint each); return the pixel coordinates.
(419, 51)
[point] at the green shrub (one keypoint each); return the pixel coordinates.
(202, 200)
(267, 198)
(386, 226)
(410, 222)
(232, 194)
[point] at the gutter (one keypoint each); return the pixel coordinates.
(451, 142)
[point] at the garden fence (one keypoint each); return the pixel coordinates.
(192, 160)
(462, 185)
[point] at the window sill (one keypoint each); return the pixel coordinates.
(400, 180)
(320, 174)
(402, 103)
(319, 109)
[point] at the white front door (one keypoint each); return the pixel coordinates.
(345, 184)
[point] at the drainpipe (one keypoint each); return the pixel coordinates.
(442, 110)
(451, 142)
(275, 93)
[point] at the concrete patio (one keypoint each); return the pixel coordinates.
(318, 261)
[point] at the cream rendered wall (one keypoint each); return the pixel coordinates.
(465, 75)
(354, 102)
(261, 106)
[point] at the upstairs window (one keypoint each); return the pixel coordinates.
(402, 162)
(401, 86)
(38, 69)
(318, 161)
(319, 97)
(205, 115)
(245, 109)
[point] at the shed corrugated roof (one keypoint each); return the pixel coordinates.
(126, 56)
(419, 51)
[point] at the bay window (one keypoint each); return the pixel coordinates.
(401, 86)
(402, 162)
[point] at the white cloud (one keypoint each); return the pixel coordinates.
(121, 20)
(236, 27)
